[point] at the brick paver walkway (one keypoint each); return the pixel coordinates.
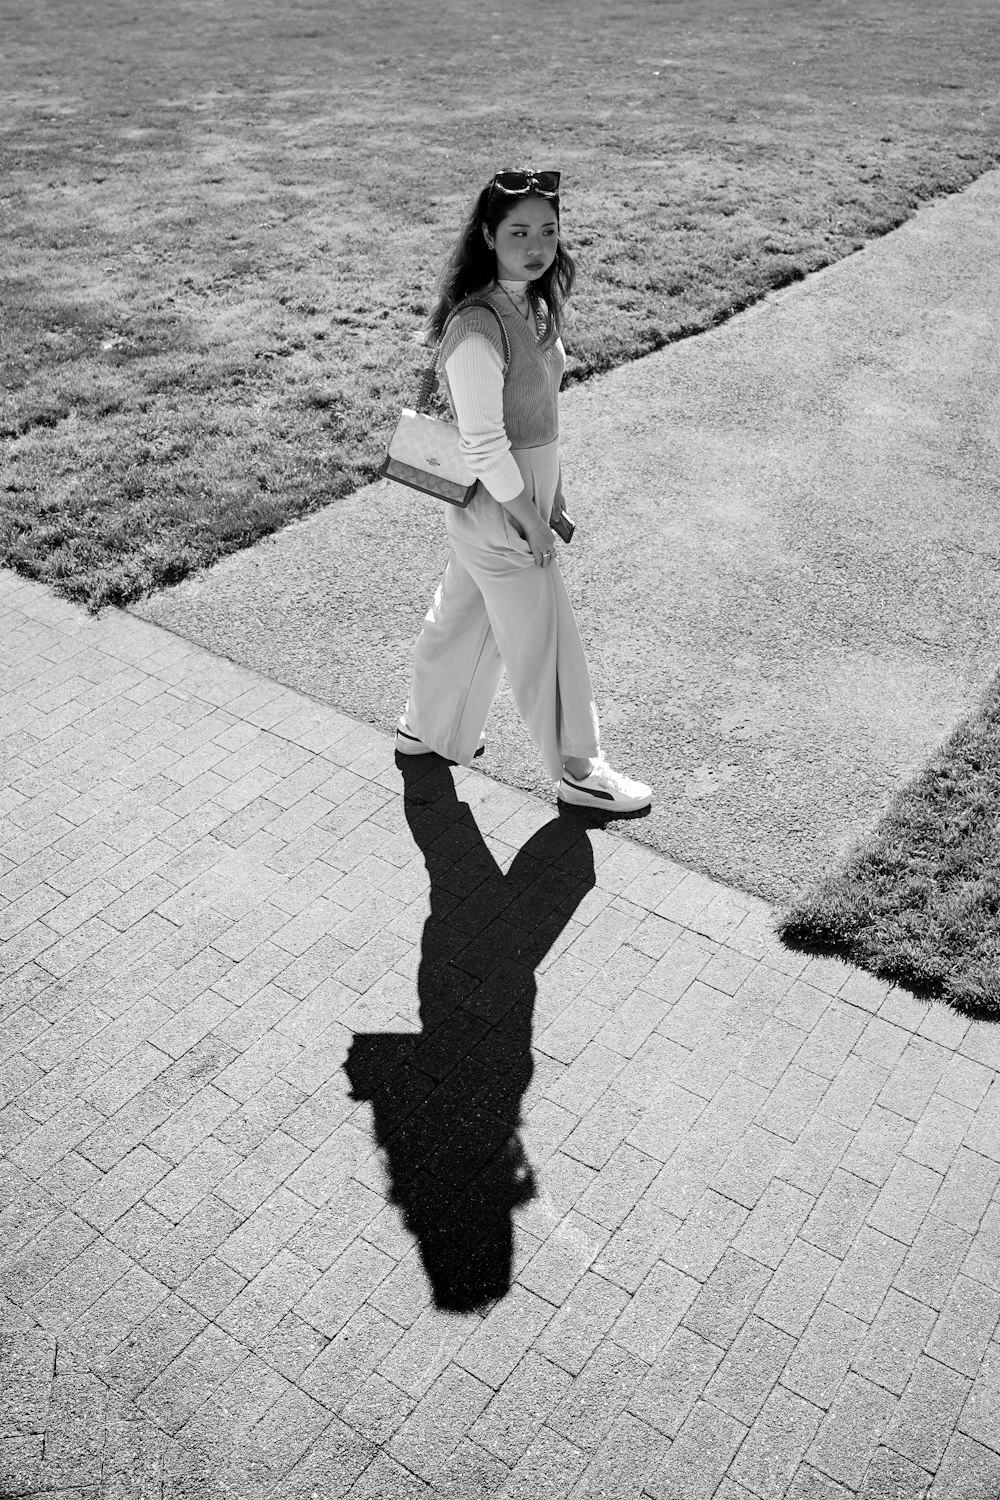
(270, 1016)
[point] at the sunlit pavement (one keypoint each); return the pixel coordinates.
(373, 1130)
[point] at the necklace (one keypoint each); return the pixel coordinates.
(517, 293)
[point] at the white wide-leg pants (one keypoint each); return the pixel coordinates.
(496, 609)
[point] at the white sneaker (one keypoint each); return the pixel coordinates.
(604, 790)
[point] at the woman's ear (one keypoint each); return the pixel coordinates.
(487, 237)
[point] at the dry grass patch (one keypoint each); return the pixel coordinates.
(223, 223)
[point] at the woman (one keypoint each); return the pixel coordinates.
(502, 602)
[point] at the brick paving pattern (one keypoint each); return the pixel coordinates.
(271, 1011)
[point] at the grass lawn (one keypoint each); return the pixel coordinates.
(920, 901)
(222, 223)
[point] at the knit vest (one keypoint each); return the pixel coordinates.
(532, 378)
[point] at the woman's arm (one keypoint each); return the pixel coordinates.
(475, 380)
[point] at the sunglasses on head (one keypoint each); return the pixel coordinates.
(545, 184)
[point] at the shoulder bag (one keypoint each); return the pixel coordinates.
(424, 451)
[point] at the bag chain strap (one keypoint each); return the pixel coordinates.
(429, 375)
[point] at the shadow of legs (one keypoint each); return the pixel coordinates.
(447, 1101)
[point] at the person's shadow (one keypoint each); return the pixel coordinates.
(447, 1100)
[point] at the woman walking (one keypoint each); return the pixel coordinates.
(502, 603)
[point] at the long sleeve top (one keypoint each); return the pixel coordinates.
(475, 380)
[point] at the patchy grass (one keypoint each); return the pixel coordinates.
(223, 223)
(920, 901)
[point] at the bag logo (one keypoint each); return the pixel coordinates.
(435, 463)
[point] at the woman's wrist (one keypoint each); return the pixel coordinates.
(522, 509)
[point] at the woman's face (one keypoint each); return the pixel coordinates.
(526, 240)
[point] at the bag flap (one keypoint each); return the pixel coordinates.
(432, 445)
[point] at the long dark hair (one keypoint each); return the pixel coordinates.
(472, 265)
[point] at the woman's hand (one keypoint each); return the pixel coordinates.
(523, 516)
(542, 541)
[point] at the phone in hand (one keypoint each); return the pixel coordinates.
(564, 527)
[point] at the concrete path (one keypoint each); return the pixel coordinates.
(271, 1010)
(787, 568)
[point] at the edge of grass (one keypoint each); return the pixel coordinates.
(918, 902)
